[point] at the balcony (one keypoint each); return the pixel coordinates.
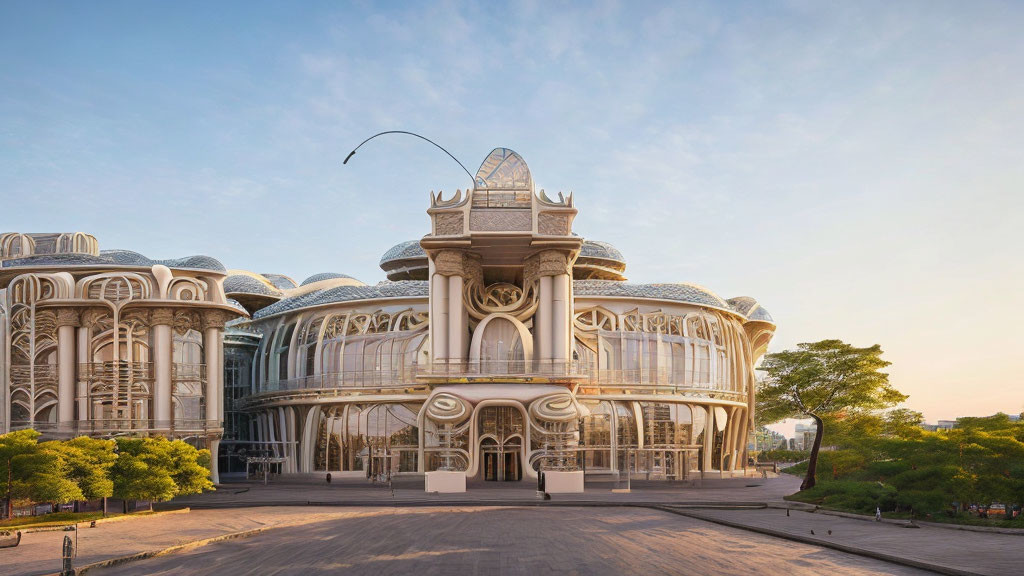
(116, 372)
(535, 372)
(115, 427)
(591, 380)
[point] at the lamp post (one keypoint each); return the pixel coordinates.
(436, 145)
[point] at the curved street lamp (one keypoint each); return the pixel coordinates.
(353, 152)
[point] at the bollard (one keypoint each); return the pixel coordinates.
(66, 568)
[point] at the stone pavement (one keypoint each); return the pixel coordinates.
(39, 552)
(741, 503)
(957, 550)
(509, 540)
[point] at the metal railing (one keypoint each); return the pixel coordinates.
(654, 381)
(517, 368)
(188, 372)
(116, 371)
(118, 427)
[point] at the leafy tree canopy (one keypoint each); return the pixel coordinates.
(823, 380)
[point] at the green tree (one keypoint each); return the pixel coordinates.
(142, 470)
(34, 471)
(190, 468)
(89, 461)
(823, 379)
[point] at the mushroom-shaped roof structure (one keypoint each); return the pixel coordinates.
(600, 261)
(677, 292)
(253, 291)
(114, 258)
(751, 309)
(405, 261)
(281, 281)
(325, 276)
(348, 293)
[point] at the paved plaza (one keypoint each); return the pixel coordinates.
(657, 528)
(591, 541)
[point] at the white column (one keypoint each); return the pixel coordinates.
(214, 465)
(66, 367)
(543, 327)
(214, 369)
(559, 318)
(162, 367)
(709, 436)
(439, 316)
(456, 332)
(84, 338)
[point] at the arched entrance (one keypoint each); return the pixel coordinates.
(501, 443)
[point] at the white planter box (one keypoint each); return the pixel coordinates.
(563, 482)
(445, 482)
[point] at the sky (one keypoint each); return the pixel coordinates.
(857, 167)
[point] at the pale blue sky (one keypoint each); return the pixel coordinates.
(855, 166)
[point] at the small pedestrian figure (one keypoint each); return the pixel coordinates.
(328, 477)
(878, 514)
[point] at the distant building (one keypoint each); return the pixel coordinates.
(804, 437)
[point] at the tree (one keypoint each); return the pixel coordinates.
(89, 461)
(15, 446)
(190, 468)
(34, 471)
(823, 379)
(142, 470)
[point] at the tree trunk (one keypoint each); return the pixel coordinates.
(812, 462)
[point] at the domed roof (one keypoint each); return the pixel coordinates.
(750, 308)
(405, 261)
(679, 292)
(115, 258)
(246, 284)
(325, 276)
(602, 250)
(385, 289)
(403, 251)
(599, 261)
(281, 281)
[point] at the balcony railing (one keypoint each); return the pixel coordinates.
(588, 376)
(118, 427)
(188, 372)
(116, 371)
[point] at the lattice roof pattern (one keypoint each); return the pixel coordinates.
(280, 281)
(242, 284)
(404, 251)
(385, 289)
(602, 250)
(115, 258)
(677, 292)
(325, 276)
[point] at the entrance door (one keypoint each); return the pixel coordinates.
(501, 443)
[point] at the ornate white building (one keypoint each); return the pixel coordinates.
(110, 343)
(501, 344)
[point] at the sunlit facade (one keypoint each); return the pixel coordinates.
(501, 344)
(110, 343)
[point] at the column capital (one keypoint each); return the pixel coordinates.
(449, 263)
(214, 319)
(161, 317)
(553, 263)
(68, 317)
